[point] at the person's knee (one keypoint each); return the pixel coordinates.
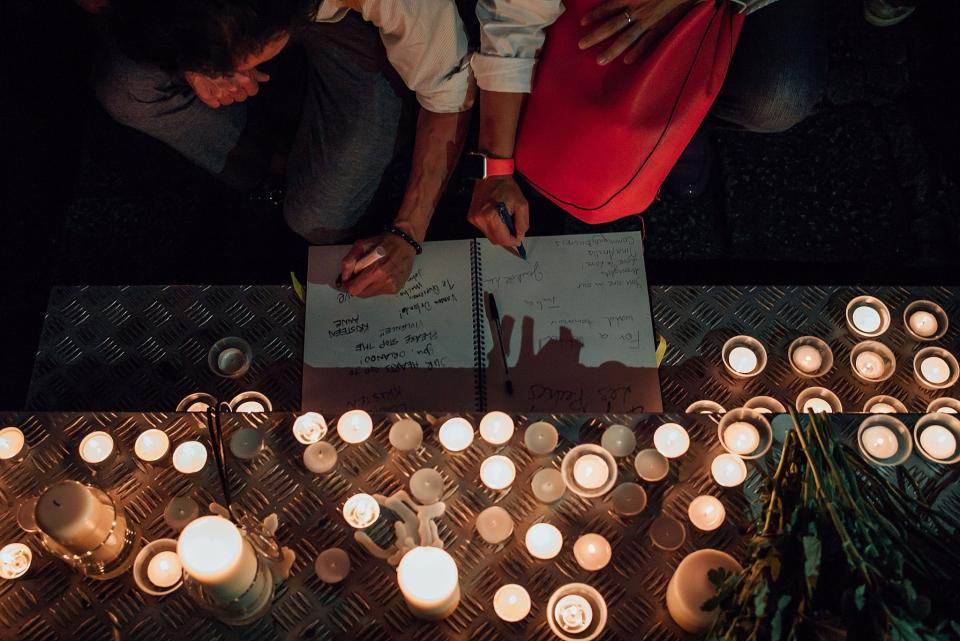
(784, 105)
(129, 94)
(319, 226)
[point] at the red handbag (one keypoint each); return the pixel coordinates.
(600, 140)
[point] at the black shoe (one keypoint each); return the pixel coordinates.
(691, 175)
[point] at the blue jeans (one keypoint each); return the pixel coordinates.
(346, 138)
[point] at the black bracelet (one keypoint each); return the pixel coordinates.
(396, 231)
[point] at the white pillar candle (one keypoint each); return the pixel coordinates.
(540, 438)
(651, 465)
(497, 472)
(543, 541)
(152, 445)
(96, 447)
(406, 435)
(671, 440)
(511, 603)
(728, 470)
(628, 499)
(361, 511)
(494, 525)
(82, 521)
(15, 559)
(807, 359)
(573, 614)
(706, 513)
(430, 582)
(592, 552)
(332, 565)
(923, 324)
(935, 370)
(938, 442)
(741, 437)
(189, 457)
(870, 365)
(496, 428)
(689, 588)
(817, 405)
(164, 569)
(355, 426)
(456, 434)
(320, 457)
(12, 443)
(866, 319)
(879, 441)
(547, 485)
(742, 359)
(619, 440)
(309, 428)
(590, 471)
(426, 485)
(214, 553)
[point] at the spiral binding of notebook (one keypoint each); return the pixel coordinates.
(480, 372)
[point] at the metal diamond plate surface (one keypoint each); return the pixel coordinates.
(51, 602)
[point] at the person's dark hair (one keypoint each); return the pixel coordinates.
(206, 36)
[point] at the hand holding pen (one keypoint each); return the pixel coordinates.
(376, 266)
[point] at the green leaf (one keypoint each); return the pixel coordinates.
(760, 594)
(717, 576)
(860, 597)
(812, 552)
(776, 624)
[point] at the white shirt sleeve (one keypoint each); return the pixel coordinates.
(427, 45)
(511, 35)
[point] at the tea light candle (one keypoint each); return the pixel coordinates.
(189, 457)
(332, 565)
(592, 552)
(706, 513)
(406, 435)
(511, 603)
(741, 437)
(12, 443)
(180, 511)
(543, 541)
(573, 614)
(882, 408)
(807, 359)
(547, 485)
(619, 440)
(629, 499)
(742, 359)
(590, 471)
(164, 569)
(540, 438)
(935, 370)
(246, 443)
(430, 582)
(320, 457)
(15, 559)
(728, 470)
(355, 426)
(938, 442)
(250, 407)
(667, 533)
(230, 360)
(866, 319)
(817, 405)
(494, 525)
(309, 428)
(496, 428)
(671, 440)
(879, 441)
(923, 324)
(361, 511)
(426, 485)
(214, 553)
(96, 447)
(497, 472)
(870, 365)
(456, 434)
(651, 465)
(152, 445)
(198, 406)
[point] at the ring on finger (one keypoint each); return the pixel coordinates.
(626, 14)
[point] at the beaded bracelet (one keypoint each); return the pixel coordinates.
(396, 231)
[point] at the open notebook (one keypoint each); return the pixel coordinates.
(576, 325)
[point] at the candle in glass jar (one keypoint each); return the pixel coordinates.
(807, 359)
(671, 440)
(430, 582)
(164, 569)
(355, 426)
(496, 428)
(15, 559)
(456, 434)
(213, 552)
(494, 525)
(543, 541)
(870, 365)
(309, 428)
(573, 614)
(12, 443)
(879, 441)
(866, 319)
(189, 457)
(706, 513)
(923, 324)
(935, 370)
(590, 471)
(938, 442)
(96, 447)
(152, 445)
(742, 359)
(497, 472)
(741, 437)
(361, 511)
(728, 470)
(592, 552)
(511, 603)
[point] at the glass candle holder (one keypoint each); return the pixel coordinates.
(867, 316)
(885, 440)
(97, 450)
(935, 368)
(250, 402)
(872, 361)
(704, 407)
(619, 440)
(456, 434)
(944, 405)
(938, 438)
(818, 400)
(196, 402)
(925, 320)
(309, 428)
(765, 405)
(746, 433)
(13, 444)
(354, 426)
(810, 357)
(496, 428)
(157, 569)
(576, 612)
(430, 583)
(230, 357)
(883, 404)
(744, 356)
(589, 470)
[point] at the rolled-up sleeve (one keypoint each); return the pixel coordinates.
(511, 35)
(426, 43)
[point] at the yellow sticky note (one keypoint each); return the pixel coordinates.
(661, 349)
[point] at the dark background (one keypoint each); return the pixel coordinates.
(865, 191)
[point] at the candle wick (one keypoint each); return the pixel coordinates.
(56, 502)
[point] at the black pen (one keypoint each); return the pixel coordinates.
(507, 219)
(503, 354)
